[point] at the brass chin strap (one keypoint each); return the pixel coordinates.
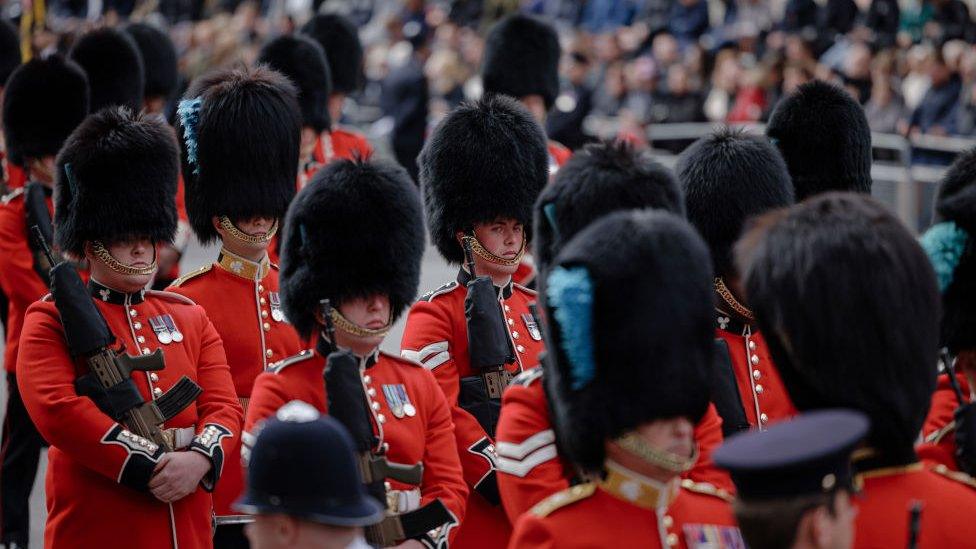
(350, 327)
(105, 257)
(227, 225)
(634, 444)
(480, 250)
(726, 295)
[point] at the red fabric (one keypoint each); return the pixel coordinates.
(436, 335)
(16, 176)
(603, 520)
(183, 227)
(773, 400)
(86, 505)
(426, 437)
(346, 145)
(944, 404)
(750, 103)
(559, 152)
(239, 309)
(525, 273)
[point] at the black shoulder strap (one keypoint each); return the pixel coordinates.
(35, 208)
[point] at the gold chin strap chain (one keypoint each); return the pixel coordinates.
(726, 295)
(350, 327)
(105, 257)
(480, 250)
(634, 444)
(228, 225)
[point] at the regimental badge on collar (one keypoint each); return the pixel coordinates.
(532, 326)
(398, 401)
(276, 313)
(165, 328)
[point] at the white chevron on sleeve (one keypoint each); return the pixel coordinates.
(521, 468)
(527, 446)
(429, 357)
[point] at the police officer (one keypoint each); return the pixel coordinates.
(116, 177)
(240, 178)
(795, 481)
(850, 307)
(43, 102)
(303, 485)
(598, 180)
(632, 285)
(481, 171)
(354, 236)
(727, 178)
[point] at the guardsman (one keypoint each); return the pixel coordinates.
(303, 485)
(354, 236)
(600, 179)
(42, 103)
(824, 137)
(240, 178)
(632, 285)
(344, 53)
(844, 256)
(302, 60)
(949, 245)
(111, 59)
(114, 198)
(727, 178)
(10, 58)
(481, 171)
(795, 481)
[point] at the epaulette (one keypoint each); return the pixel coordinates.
(401, 360)
(562, 499)
(302, 356)
(528, 377)
(529, 291)
(7, 198)
(193, 274)
(706, 489)
(171, 296)
(429, 296)
(957, 476)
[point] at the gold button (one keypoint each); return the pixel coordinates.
(260, 288)
(141, 339)
(667, 521)
(153, 377)
(672, 540)
(264, 314)
(267, 327)
(756, 374)
(755, 359)
(263, 301)
(268, 353)
(752, 345)
(763, 418)
(132, 312)
(520, 349)
(371, 392)
(507, 309)
(157, 391)
(511, 322)
(759, 389)
(146, 351)
(515, 335)
(137, 325)
(381, 418)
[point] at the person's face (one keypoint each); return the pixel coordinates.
(502, 237)
(372, 312)
(137, 252)
(285, 532)
(307, 143)
(255, 226)
(674, 435)
(835, 531)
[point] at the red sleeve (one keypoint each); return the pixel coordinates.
(18, 279)
(532, 532)
(428, 338)
(71, 423)
(442, 469)
(938, 446)
(708, 436)
(267, 396)
(529, 467)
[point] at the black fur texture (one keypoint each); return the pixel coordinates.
(340, 40)
(522, 58)
(248, 139)
(599, 179)
(484, 161)
(124, 169)
(158, 58)
(849, 305)
(825, 139)
(302, 60)
(652, 335)
(355, 230)
(114, 67)
(43, 102)
(727, 178)
(10, 54)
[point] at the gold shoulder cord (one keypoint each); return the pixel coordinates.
(105, 257)
(227, 225)
(726, 295)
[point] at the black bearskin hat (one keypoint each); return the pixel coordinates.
(116, 177)
(727, 178)
(849, 305)
(340, 40)
(600, 179)
(44, 101)
(239, 132)
(114, 67)
(522, 58)
(951, 246)
(158, 58)
(825, 139)
(355, 230)
(301, 59)
(631, 328)
(10, 54)
(485, 160)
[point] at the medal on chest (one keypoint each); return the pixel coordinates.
(165, 329)
(276, 313)
(398, 401)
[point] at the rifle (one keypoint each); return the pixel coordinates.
(109, 382)
(964, 417)
(489, 348)
(348, 403)
(35, 209)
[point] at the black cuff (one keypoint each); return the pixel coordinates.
(488, 488)
(141, 461)
(208, 444)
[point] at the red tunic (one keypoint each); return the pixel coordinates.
(183, 231)
(436, 336)
(426, 437)
(607, 515)
(241, 299)
(559, 154)
(91, 454)
(938, 445)
(338, 143)
(16, 177)
(887, 495)
(529, 466)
